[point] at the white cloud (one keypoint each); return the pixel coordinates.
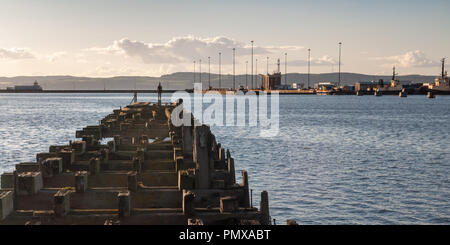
(16, 53)
(409, 59)
(57, 56)
(325, 60)
(186, 49)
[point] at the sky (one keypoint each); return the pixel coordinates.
(105, 38)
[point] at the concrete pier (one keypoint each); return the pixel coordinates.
(150, 172)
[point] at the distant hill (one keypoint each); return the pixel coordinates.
(183, 80)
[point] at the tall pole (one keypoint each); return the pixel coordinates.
(234, 75)
(340, 46)
(285, 68)
(252, 65)
(267, 65)
(256, 72)
(309, 64)
(209, 72)
(246, 72)
(194, 71)
(200, 67)
(220, 72)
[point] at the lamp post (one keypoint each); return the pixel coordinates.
(200, 68)
(340, 47)
(285, 68)
(234, 75)
(220, 74)
(256, 72)
(309, 64)
(209, 72)
(246, 72)
(252, 65)
(194, 71)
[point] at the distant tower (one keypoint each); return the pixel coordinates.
(443, 68)
(278, 65)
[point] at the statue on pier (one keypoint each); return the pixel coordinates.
(159, 93)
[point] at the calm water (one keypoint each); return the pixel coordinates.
(337, 160)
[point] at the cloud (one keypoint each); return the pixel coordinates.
(57, 56)
(409, 59)
(16, 53)
(186, 49)
(325, 60)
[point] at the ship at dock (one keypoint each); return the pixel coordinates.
(148, 172)
(441, 84)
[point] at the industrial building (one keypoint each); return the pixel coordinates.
(34, 87)
(271, 81)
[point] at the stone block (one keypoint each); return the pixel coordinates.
(44, 155)
(6, 204)
(68, 157)
(81, 181)
(94, 166)
(188, 207)
(29, 183)
(218, 184)
(51, 166)
(228, 204)
(79, 147)
(132, 181)
(62, 202)
(27, 167)
(7, 180)
(124, 204)
(186, 180)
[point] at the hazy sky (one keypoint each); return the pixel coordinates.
(113, 38)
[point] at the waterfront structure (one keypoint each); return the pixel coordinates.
(35, 87)
(271, 81)
(149, 172)
(441, 83)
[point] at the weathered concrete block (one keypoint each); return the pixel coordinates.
(62, 202)
(7, 180)
(264, 208)
(137, 165)
(68, 157)
(124, 204)
(179, 163)
(27, 167)
(81, 181)
(6, 204)
(132, 181)
(29, 183)
(231, 171)
(228, 204)
(245, 187)
(44, 155)
(177, 152)
(201, 155)
(51, 166)
(79, 146)
(218, 184)
(220, 164)
(112, 146)
(188, 207)
(94, 166)
(186, 180)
